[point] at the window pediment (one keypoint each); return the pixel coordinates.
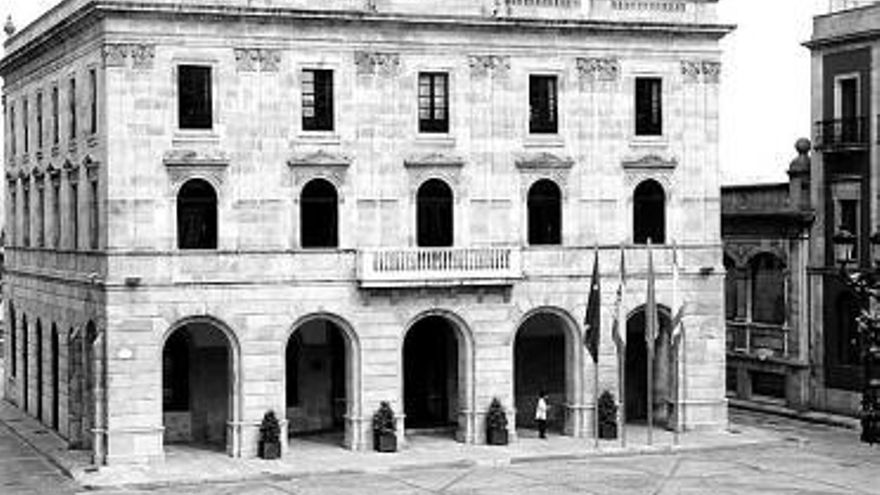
(320, 158)
(433, 160)
(654, 162)
(196, 158)
(542, 160)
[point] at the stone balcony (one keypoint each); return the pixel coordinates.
(446, 266)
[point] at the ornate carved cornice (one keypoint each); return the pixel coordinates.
(433, 160)
(598, 69)
(320, 158)
(542, 160)
(381, 63)
(489, 65)
(691, 70)
(257, 59)
(118, 54)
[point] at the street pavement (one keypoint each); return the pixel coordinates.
(812, 459)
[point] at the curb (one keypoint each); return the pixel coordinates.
(814, 417)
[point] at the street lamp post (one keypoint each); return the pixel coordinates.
(865, 284)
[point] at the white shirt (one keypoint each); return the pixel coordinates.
(541, 409)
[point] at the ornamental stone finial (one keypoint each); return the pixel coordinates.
(9, 28)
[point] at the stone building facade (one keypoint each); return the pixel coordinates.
(766, 233)
(219, 208)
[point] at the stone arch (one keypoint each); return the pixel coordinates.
(464, 383)
(208, 329)
(573, 363)
(353, 435)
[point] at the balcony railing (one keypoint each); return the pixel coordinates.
(419, 267)
(849, 133)
(760, 339)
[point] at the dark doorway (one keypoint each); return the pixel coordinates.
(197, 385)
(430, 374)
(55, 381)
(39, 359)
(316, 378)
(649, 213)
(318, 215)
(545, 213)
(540, 364)
(434, 214)
(197, 216)
(636, 401)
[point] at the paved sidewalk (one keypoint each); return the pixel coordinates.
(185, 464)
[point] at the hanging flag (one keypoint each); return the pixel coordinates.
(593, 316)
(619, 342)
(650, 309)
(677, 305)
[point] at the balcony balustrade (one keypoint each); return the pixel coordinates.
(422, 267)
(760, 339)
(842, 134)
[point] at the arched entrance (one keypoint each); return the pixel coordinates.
(649, 213)
(544, 355)
(198, 384)
(636, 385)
(435, 376)
(319, 215)
(319, 375)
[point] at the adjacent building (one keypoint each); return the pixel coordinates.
(220, 208)
(845, 52)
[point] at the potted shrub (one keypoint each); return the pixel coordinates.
(496, 424)
(270, 437)
(607, 416)
(384, 433)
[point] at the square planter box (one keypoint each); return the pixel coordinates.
(271, 450)
(496, 436)
(385, 442)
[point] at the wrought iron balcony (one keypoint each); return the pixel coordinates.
(423, 267)
(842, 134)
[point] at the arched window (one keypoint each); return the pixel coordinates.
(197, 216)
(318, 215)
(434, 214)
(13, 347)
(545, 213)
(768, 289)
(649, 213)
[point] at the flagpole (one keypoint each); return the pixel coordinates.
(649, 330)
(675, 378)
(621, 350)
(596, 405)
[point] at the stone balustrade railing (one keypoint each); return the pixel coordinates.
(407, 267)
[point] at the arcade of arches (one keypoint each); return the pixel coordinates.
(432, 388)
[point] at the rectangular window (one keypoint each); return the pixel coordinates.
(71, 100)
(849, 220)
(317, 100)
(93, 101)
(26, 215)
(194, 97)
(93, 215)
(40, 120)
(542, 105)
(433, 102)
(12, 128)
(41, 217)
(56, 213)
(649, 106)
(55, 115)
(74, 216)
(25, 127)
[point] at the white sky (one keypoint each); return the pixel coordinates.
(765, 99)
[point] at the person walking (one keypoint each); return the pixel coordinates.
(541, 414)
